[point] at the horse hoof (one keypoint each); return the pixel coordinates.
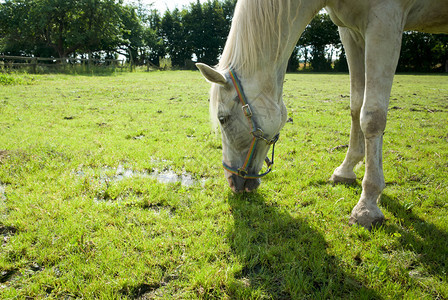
(367, 216)
(367, 225)
(342, 180)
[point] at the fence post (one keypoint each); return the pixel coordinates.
(34, 64)
(89, 62)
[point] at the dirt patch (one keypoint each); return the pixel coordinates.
(7, 230)
(425, 109)
(158, 207)
(340, 147)
(7, 275)
(141, 291)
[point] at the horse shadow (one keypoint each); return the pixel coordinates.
(429, 242)
(283, 257)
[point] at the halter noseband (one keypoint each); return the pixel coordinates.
(257, 134)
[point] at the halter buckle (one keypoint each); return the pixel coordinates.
(258, 133)
(242, 172)
(247, 111)
(274, 139)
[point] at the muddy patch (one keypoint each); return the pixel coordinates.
(142, 291)
(12, 276)
(160, 208)
(6, 232)
(7, 275)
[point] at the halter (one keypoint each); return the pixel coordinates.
(257, 133)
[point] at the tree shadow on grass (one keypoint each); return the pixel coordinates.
(283, 257)
(429, 242)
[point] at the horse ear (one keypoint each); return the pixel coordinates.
(211, 74)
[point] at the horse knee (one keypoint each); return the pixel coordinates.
(355, 113)
(373, 122)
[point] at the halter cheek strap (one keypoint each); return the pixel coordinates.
(257, 134)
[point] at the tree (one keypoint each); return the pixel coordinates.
(195, 28)
(15, 29)
(293, 63)
(207, 29)
(215, 34)
(133, 34)
(60, 28)
(320, 33)
(341, 65)
(228, 8)
(204, 27)
(65, 26)
(423, 52)
(153, 38)
(174, 37)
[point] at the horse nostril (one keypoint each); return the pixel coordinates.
(236, 183)
(233, 186)
(239, 184)
(230, 181)
(251, 185)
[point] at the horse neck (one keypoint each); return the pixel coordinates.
(300, 15)
(262, 40)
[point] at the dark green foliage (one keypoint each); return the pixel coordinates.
(106, 28)
(49, 27)
(319, 34)
(423, 52)
(200, 30)
(173, 33)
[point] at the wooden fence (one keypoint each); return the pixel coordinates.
(35, 62)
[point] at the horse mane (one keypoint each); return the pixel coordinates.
(255, 35)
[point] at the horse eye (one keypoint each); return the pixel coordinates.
(223, 119)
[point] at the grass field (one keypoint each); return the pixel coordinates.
(85, 211)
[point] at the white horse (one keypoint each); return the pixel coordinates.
(253, 65)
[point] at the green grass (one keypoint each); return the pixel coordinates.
(15, 79)
(71, 227)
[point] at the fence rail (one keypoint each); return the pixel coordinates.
(34, 62)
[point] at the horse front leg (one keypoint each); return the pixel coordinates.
(383, 42)
(354, 47)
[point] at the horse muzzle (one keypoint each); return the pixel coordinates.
(240, 185)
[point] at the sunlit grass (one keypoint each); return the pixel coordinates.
(72, 225)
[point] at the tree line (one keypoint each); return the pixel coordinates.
(108, 28)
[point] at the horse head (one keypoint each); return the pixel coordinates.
(250, 113)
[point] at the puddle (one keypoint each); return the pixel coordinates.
(166, 176)
(170, 176)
